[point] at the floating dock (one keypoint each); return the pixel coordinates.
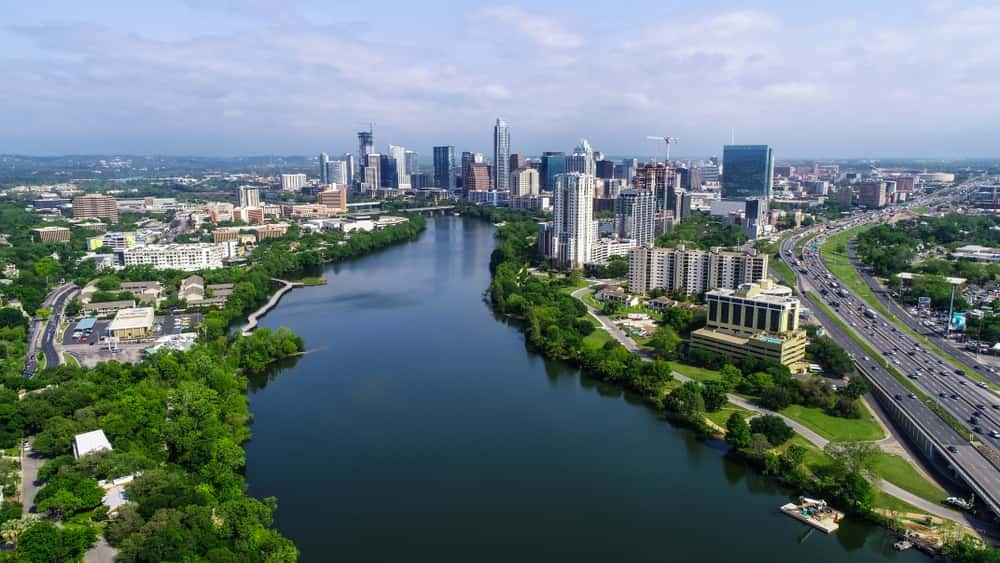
(816, 513)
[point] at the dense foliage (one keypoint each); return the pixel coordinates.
(703, 231)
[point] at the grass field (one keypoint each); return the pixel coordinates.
(696, 373)
(597, 339)
(782, 269)
(40, 358)
(721, 416)
(71, 361)
(899, 472)
(889, 502)
(920, 210)
(835, 428)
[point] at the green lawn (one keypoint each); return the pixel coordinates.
(782, 269)
(920, 210)
(696, 373)
(886, 501)
(40, 358)
(721, 416)
(597, 339)
(899, 472)
(835, 428)
(71, 360)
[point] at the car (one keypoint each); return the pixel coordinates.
(977, 429)
(913, 396)
(942, 394)
(994, 434)
(954, 396)
(953, 449)
(997, 407)
(982, 385)
(961, 382)
(959, 372)
(944, 373)
(899, 397)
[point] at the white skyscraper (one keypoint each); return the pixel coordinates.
(501, 155)
(249, 197)
(324, 161)
(336, 172)
(573, 227)
(402, 176)
(524, 182)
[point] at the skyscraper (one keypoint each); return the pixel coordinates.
(401, 180)
(366, 146)
(573, 228)
(388, 171)
(501, 155)
(517, 161)
(412, 162)
(747, 171)
(324, 159)
(336, 172)
(553, 163)
(372, 173)
(444, 167)
(661, 179)
(582, 159)
(351, 166)
(477, 177)
(634, 214)
(524, 182)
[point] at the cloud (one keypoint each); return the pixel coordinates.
(540, 30)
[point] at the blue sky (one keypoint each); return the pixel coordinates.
(229, 77)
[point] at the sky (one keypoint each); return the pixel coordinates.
(902, 78)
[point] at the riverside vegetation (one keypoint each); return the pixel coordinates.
(178, 419)
(559, 326)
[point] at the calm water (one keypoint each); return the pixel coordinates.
(419, 428)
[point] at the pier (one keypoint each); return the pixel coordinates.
(252, 319)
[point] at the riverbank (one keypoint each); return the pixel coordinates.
(286, 286)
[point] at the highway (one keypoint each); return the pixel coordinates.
(957, 394)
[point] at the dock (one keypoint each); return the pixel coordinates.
(816, 513)
(286, 286)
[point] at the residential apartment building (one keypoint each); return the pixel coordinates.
(872, 193)
(755, 319)
(635, 211)
(524, 182)
(293, 182)
(573, 228)
(692, 271)
(477, 177)
(184, 257)
(249, 196)
(98, 206)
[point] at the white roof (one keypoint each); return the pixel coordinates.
(136, 317)
(90, 442)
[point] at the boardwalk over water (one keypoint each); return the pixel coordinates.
(286, 286)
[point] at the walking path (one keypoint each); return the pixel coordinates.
(889, 444)
(252, 319)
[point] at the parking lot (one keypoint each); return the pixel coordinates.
(90, 349)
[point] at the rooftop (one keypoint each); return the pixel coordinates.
(90, 442)
(136, 317)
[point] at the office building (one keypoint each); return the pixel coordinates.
(501, 156)
(412, 159)
(337, 173)
(754, 217)
(398, 178)
(552, 164)
(114, 242)
(366, 146)
(573, 226)
(693, 271)
(372, 175)
(292, 182)
(388, 170)
(444, 167)
(817, 187)
(185, 257)
(755, 319)
(477, 177)
(517, 162)
(524, 182)
(249, 196)
(352, 171)
(132, 324)
(872, 193)
(324, 160)
(582, 159)
(333, 199)
(634, 214)
(98, 206)
(747, 171)
(56, 234)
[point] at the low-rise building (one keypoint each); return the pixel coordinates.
(57, 234)
(145, 291)
(196, 294)
(752, 320)
(105, 308)
(132, 324)
(90, 442)
(615, 294)
(184, 257)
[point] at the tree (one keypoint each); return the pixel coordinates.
(773, 427)
(12, 318)
(793, 457)
(11, 529)
(857, 387)
(759, 444)
(44, 542)
(714, 395)
(828, 354)
(737, 431)
(686, 400)
(665, 342)
(853, 457)
(731, 376)
(74, 307)
(43, 313)
(775, 398)
(856, 491)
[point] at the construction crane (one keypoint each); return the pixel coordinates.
(668, 140)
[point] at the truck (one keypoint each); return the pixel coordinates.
(870, 314)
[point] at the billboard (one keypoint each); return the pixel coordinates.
(923, 303)
(958, 321)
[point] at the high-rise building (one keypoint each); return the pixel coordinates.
(399, 178)
(388, 170)
(747, 171)
(249, 196)
(582, 159)
(333, 199)
(605, 169)
(336, 172)
(872, 193)
(517, 162)
(477, 177)
(634, 214)
(692, 271)
(412, 162)
(661, 179)
(755, 319)
(366, 144)
(98, 206)
(754, 217)
(553, 164)
(324, 160)
(444, 167)
(524, 182)
(293, 182)
(501, 155)
(352, 171)
(573, 226)
(372, 173)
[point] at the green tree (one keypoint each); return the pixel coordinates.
(857, 387)
(773, 427)
(664, 342)
(714, 395)
(737, 431)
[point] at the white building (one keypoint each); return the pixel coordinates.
(573, 226)
(184, 257)
(293, 182)
(398, 154)
(90, 442)
(249, 196)
(524, 183)
(604, 249)
(336, 172)
(692, 271)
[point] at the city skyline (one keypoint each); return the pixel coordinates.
(211, 78)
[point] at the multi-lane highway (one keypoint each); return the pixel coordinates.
(56, 302)
(958, 394)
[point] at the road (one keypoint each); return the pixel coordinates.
(897, 348)
(30, 464)
(56, 301)
(804, 431)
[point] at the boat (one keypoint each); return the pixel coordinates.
(814, 512)
(902, 545)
